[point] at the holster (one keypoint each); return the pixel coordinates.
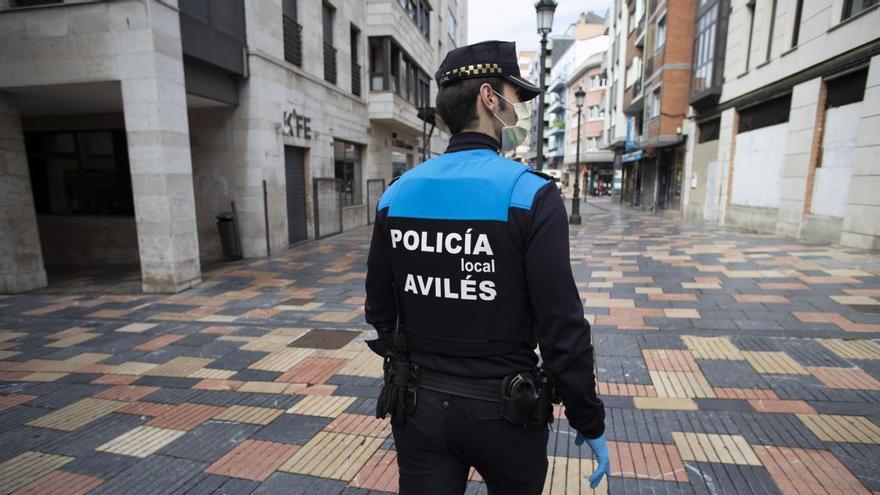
(528, 398)
(398, 395)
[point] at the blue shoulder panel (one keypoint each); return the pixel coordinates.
(525, 189)
(467, 185)
(388, 195)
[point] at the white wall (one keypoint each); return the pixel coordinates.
(831, 183)
(758, 166)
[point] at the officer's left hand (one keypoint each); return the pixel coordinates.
(600, 452)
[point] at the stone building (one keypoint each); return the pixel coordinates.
(127, 126)
(785, 131)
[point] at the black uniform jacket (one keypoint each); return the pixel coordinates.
(470, 250)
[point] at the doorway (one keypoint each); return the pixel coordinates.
(295, 173)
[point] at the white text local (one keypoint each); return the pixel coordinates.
(479, 267)
(467, 289)
(441, 242)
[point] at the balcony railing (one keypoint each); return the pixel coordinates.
(355, 78)
(329, 63)
(293, 42)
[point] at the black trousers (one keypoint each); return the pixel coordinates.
(447, 435)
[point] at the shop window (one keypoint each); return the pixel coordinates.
(709, 130)
(846, 89)
(80, 172)
(853, 7)
(347, 169)
(765, 114)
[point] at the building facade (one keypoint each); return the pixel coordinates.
(657, 83)
(785, 97)
(596, 164)
(130, 125)
(614, 67)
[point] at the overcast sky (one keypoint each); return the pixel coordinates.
(514, 20)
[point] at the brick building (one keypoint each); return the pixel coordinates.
(656, 101)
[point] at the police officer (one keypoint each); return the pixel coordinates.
(468, 273)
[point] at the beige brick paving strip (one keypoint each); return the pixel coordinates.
(318, 405)
(712, 348)
(332, 455)
(78, 414)
(852, 349)
(141, 441)
(27, 467)
(712, 447)
(837, 428)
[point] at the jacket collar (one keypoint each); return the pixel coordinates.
(464, 141)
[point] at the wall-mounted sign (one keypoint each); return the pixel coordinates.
(632, 157)
(296, 125)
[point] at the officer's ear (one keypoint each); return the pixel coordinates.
(487, 97)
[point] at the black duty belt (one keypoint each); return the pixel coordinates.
(487, 389)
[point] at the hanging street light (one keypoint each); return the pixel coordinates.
(545, 10)
(575, 218)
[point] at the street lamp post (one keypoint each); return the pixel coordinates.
(545, 10)
(575, 218)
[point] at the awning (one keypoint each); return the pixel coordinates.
(632, 157)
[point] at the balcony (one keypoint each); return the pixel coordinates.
(293, 42)
(554, 131)
(557, 85)
(556, 107)
(356, 78)
(329, 63)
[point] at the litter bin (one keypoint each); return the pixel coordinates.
(228, 235)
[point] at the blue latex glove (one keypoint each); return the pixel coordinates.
(600, 452)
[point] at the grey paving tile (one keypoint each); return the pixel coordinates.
(209, 441)
(292, 428)
(294, 483)
(157, 474)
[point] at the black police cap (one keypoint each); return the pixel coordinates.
(485, 59)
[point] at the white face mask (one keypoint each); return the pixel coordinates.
(513, 135)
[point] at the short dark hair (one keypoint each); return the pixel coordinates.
(456, 103)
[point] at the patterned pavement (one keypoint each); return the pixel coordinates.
(729, 363)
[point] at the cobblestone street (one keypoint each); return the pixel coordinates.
(728, 362)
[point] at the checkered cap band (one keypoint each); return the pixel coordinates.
(470, 70)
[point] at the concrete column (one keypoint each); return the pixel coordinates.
(21, 260)
(154, 104)
(861, 226)
(726, 152)
(805, 121)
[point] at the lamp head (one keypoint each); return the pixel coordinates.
(545, 10)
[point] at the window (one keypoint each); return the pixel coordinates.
(853, 7)
(704, 50)
(652, 104)
(597, 81)
(80, 172)
(347, 168)
(660, 33)
(631, 22)
(750, 10)
(292, 33)
(450, 25)
(798, 13)
(355, 34)
(592, 143)
(767, 113)
(404, 76)
(772, 25)
(420, 13)
(329, 51)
